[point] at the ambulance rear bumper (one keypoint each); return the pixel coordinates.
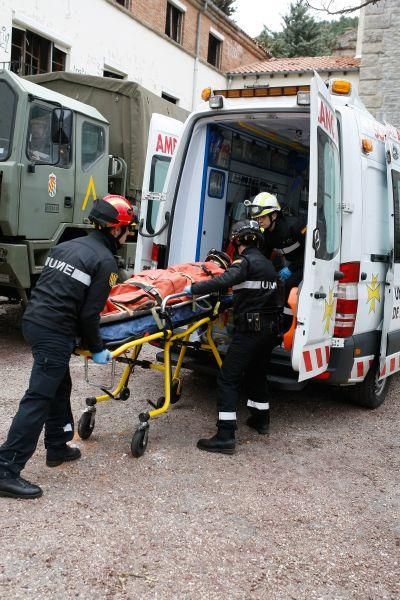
(342, 359)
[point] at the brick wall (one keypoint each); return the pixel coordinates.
(237, 48)
(379, 85)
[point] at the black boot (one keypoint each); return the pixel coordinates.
(223, 441)
(19, 488)
(60, 454)
(259, 424)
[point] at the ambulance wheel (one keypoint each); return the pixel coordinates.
(86, 425)
(176, 390)
(371, 392)
(139, 442)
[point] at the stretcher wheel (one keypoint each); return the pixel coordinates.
(86, 425)
(124, 394)
(176, 390)
(160, 402)
(139, 442)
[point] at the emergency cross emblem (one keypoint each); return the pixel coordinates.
(328, 312)
(52, 185)
(374, 294)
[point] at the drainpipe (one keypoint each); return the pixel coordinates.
(197, 58)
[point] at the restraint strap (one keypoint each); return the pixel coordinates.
(288, 249)
(150, 289)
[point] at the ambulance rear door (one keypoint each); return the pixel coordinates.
(390, 341)
(164, 134)
(317, 300)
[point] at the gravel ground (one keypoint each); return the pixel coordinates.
(311, 511)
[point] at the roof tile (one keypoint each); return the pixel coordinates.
(301, 63)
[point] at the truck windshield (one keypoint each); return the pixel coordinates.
(7, 111)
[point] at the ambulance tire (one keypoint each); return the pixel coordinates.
(370, 393)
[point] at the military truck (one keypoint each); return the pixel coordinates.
(58, 153)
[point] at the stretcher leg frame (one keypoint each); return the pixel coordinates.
(131, 350)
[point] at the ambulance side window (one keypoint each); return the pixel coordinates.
(396, 211)
(158, 173)
(329, 198)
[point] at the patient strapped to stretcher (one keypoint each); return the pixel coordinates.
(147, 289)
(133, 307)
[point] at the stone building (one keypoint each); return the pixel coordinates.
(174, 48)
(379, 47)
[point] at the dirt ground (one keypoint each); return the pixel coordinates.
(310, 512)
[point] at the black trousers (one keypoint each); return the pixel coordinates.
(45, 403)
(246, 359)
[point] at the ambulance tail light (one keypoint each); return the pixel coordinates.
(347, 300)
(155, 251)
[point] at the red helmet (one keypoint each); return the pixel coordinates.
(112, 211)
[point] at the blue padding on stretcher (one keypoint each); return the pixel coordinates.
(139, 326)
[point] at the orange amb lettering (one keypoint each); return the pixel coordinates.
(326, 118)
(166, 143)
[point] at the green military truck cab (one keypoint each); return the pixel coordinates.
(53, 162)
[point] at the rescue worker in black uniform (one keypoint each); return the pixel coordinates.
(284, 236)
(284, 242)
(257, 305)
(65, 303)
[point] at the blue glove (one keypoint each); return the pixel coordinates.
(188, 290)
(102, 358)
(284, 273)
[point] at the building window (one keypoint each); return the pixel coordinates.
(214, 51)
(113, 74)
(169, 98)
(173, 23)
(58, 60)
(32, 54)
(124, 3)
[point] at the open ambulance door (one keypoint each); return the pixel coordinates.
(164, 133)
(317, 298)
(390, 341)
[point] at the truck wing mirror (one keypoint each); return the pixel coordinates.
(61, 126)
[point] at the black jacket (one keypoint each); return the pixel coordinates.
(288, 241)
(73, 288)
(253, 280)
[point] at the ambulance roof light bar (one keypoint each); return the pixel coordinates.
(301, 91)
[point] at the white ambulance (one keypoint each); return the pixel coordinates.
(330, 162)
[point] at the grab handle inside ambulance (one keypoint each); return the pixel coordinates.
(156, 233)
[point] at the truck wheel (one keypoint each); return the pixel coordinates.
(371, 392)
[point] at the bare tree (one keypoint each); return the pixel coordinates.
(328, 6)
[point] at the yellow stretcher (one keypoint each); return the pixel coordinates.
(128, 354)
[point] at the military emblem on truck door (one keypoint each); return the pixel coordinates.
(52, 185)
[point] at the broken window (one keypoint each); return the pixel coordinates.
(214, 51)
(173, 23)
(32, 54)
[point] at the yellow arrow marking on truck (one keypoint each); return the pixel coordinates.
(328, 311)
(374, 294)
(90, 191)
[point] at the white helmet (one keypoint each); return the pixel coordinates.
(263, 204)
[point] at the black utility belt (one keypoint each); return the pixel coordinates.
(259, 322)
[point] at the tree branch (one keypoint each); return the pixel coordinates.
(327, 7)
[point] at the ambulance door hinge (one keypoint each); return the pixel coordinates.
(347, 207)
